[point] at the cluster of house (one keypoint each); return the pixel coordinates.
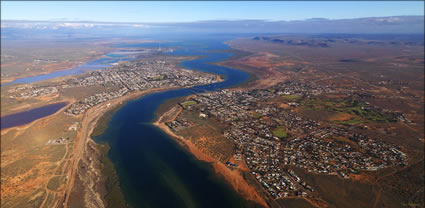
(63, 140)
(90, 101)
(178, 124)
(59, 140)
(272, 140)
(141, 75)
(36, 92)
(325, 152)
(393, 82)
(138, 75)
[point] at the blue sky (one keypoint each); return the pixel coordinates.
(181, 11)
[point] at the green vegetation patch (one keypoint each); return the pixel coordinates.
(159, 77)
(291, 97)
(188, 103)
(256, 115)
(280, 133)
(360, 112)
(352, 121)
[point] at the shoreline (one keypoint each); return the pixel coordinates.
(88, 124)
(232, 177)
(42, 119)
(107, 49)
(84, 145)
(68, 66)
(225, 63)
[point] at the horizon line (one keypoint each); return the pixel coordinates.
(207, 20)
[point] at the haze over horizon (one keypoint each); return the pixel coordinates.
(139, 18)
(182, 12)
(371, 25)
(206, 104)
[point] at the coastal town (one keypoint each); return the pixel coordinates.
(273, 140)
(270, 138)
(125, 77)
(262, 104)
(134, 76)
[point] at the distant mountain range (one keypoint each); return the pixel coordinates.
(370, 25)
